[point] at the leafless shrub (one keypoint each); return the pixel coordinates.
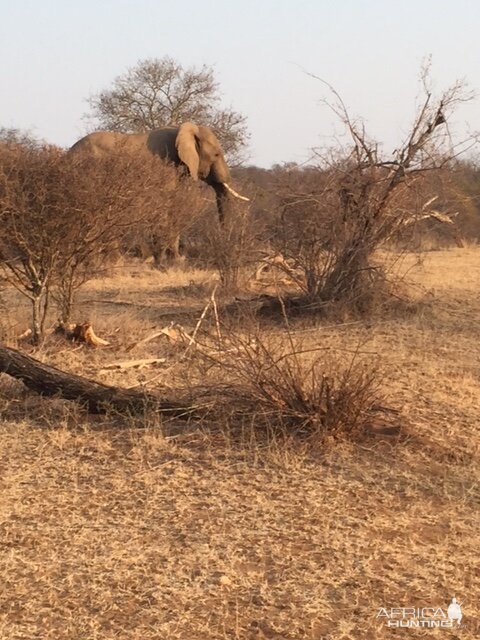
(12, 137)
(310, 396)
(108, 197)
(178, 205)
(451, 216)
(282, 385)
(63, 216)
(29, 249)
(230, 246)
(336, 215)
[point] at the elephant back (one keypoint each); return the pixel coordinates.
(102, 143)
(162, 142)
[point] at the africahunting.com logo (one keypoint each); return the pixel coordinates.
(427, 617)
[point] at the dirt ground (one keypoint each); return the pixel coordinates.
(113, 528)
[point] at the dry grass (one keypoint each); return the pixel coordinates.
(109, 531)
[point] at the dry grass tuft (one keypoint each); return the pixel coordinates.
(283, 386)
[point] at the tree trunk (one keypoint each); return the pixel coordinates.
(98, 398)
(66, 296)
(350, 266)
(37, 322)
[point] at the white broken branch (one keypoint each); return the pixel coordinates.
(131, 364)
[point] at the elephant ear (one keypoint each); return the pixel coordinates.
(186, 144)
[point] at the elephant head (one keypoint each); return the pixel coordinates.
(197, 148)
(192, 146)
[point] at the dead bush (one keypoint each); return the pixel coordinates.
(450, 217)
(277, 384)
(336, 215)
(179, 204)
(63, 216)
(314, 397)
(230, 247)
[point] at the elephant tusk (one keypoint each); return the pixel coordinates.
(234, 193)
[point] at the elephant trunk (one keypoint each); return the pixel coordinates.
(221, 195)
(222, 191)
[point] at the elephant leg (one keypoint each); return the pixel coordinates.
(165, 252)
(175, 248)
(158, 251)
(170, 253)
(160, 260)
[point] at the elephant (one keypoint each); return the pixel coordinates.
(192, 146)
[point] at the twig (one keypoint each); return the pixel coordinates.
(152, 336)
(128, 364)
(200, 320)
(215, 311)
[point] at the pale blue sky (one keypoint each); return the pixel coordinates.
(55, 53)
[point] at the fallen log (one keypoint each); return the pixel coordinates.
(97, 397)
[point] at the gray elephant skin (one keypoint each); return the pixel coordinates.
(189, 145)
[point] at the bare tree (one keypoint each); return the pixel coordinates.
(108, 197)
(11, 136)
(28, 246)
(157, 92)
(356, 199)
